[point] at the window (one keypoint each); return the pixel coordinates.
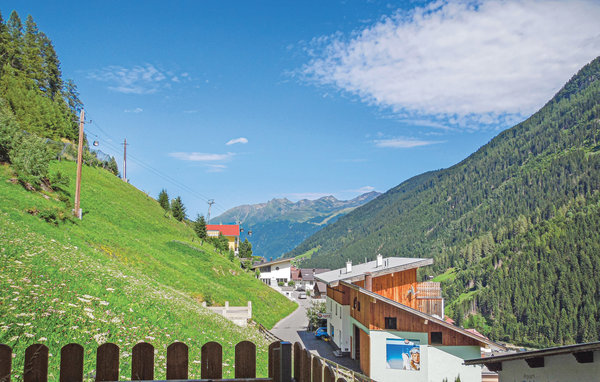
(281, 281)
(355, 303)
(336, 310)
(436, 338)
(265, 269)
(276, 268)
(390, 323)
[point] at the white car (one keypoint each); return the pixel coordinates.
(302, 296)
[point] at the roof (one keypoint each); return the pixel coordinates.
(307, 274)
(279, 261)
(389, 265)
(321, 287)
(225, 229)
(524, 355)
(426, 316)
(295, 273)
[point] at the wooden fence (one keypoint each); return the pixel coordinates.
(283, 359)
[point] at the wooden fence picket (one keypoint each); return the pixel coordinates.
(177, 361)
(317, 370)
(284, 371)
(71, 363)
(297, 361)
(211, 361)
(306, 363)
(107, 362)
(36, 364)
(273, 358)
(245, 360)
(328, 374)
(142, 362)
(5, 363)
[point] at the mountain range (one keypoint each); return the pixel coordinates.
(279, 225)
(513, 228)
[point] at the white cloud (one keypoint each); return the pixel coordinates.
(216, 167)
(363, 190)
(201, 157)
(306, 195)
(489, 62)
(403, 143)
(241, 140)
(140, 79)
(136, 110)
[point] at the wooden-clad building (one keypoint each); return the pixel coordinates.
(392, 324)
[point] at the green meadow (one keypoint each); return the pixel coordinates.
(125, 273)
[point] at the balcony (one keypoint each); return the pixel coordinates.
(429, 298)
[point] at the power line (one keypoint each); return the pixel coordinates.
(158, 173)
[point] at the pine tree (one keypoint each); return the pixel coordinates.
(200, 226)
(163, 200)
(178, 209)
(52, 76)
(15, 34)
(32, 57)
(245, 249)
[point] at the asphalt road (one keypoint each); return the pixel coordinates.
(293, 329)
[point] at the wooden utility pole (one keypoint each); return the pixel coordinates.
(77, 209)
(125, 160)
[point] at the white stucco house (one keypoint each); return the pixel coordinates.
(274, 272)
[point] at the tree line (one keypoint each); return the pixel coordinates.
(177, 210)
(35, 102)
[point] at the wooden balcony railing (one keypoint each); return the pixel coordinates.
(429, 298)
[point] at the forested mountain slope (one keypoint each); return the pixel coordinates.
(529, 191)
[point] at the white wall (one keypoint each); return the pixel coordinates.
(284, 272)
(340, 322)
(558, 368)
(437, 363)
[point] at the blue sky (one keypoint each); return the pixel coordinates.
(242, 102)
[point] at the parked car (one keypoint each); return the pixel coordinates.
(302, 295)
(321, 333)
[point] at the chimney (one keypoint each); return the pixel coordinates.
(348, 266)
(369, 281)
(379, 260)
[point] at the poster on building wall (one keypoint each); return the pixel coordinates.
(403, 354)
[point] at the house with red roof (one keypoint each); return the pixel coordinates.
(230, 231)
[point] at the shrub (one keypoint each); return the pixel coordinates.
(30, 159)
(60, 181)
(9, 131)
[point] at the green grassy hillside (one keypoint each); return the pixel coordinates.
(123, 274)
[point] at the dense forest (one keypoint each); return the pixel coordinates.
(31, 82)
(516, 222)
(39, 110)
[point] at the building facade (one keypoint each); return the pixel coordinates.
(391, 324)
(274, 272)
(230, 231)
(579, 362)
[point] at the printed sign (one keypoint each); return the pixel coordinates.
(403, 354)
(324, 315)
